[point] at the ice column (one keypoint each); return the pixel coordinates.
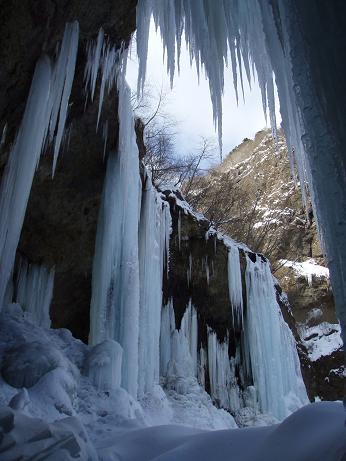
(34, 291)
(274, 360)
(115, 283)
(104, 365)
(154, 231)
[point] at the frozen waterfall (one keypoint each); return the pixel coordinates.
(274, 360)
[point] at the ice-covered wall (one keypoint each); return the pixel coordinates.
(245, 353)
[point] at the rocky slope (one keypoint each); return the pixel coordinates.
(253, 197)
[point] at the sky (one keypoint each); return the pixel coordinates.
(189, 102)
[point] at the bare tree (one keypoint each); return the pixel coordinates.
(165, 163)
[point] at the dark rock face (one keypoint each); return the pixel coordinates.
(211, 298)
(61, 218)
(30, 28)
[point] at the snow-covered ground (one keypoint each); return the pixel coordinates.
(49, 405)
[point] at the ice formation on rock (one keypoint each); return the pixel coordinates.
(224, 387)
(34, 291)
(274, 360)
(115, 281)
(235, 285)
(178, 348)
(104, 364)
(154, 231)
(45, 115)
(104, 57)
(130, 257)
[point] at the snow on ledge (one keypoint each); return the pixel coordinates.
(307, 269)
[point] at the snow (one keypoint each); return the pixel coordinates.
(307, 269)
(314, 432)
(64, 405)
(321, 340)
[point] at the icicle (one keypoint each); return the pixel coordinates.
(103, 57)
(235, 285)
(207, 269)
(274, 360)
(167, 328)
(202, 366)
(45, 112)
(115, 283)
(19, 171)
(152, 256)
(34, 291)
(62, 85)
(105, 137)
(93, 63)
(179, 230)
(3, 135)
(190, 268)
(178, 348)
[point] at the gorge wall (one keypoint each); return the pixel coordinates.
(60, 224)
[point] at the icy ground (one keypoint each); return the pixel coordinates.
(52, 408)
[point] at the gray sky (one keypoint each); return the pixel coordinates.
(190, 103)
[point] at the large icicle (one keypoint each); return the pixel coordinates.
(19, 172)
(153, 233)
(34, 291)
(62, 80)
(235, 285)
(45, 112)
(274, 360)
(115, 281)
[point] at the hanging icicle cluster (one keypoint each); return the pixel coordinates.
(43, 121)
(214, 32)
